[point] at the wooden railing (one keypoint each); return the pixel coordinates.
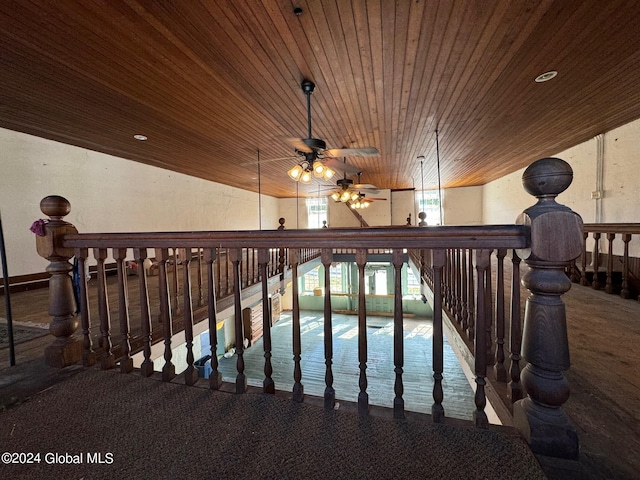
(539, 415)
(609, 260)
(461, 286)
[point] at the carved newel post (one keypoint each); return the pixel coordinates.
(556, 240)
(66, 349)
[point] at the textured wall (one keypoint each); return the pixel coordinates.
(110, 194)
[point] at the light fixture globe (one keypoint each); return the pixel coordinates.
(295, 172)
(328, 173)
(306, 177)
(318, 169)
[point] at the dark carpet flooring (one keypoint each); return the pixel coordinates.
(144, 428)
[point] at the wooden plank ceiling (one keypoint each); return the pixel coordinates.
(211, 82)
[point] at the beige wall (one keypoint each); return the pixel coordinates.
(462, 206)
(110, 194)
(504, 199)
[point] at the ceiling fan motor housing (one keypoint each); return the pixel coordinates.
(315, 143)
(344, 183)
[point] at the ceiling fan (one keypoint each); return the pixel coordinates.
(353, 195)
(316, 158)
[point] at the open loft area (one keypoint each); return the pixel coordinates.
(366, 205)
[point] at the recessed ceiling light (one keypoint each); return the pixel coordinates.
(142, 138)
(545, 77)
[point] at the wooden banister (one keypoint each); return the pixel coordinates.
(616, 260)
(456, 262)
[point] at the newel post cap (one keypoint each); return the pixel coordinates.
(48, 246)
(547, 177)
(556, 230)
(55, 207)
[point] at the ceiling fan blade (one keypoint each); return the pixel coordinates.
(341, 166)
(299, 145)
(268, 160)
(363, 186)
(353, 152)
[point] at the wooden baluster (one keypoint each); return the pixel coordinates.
(282, 261)
(471, 302)
(176, 284)
(298, 388)
(235, 254)
(363, 396)
(199, 277)
(609, 283)
(227, 264)
(146, 369)
(162, 256)
(540, 416)
(215, 378)
(257, 274)
(329, 392)
(244, 270)
(452, 283)
(217, 276)
(88, 355)
(398, 335)
(437, 410)
(464, 291)
(499, 368)
(488, 319)
(268, 385)
(190, 373)
(66, 349)
(583, 270)
(481, 262)
(447, 280)
(458, 285)
(595, 284)
(108, 360)
(274, 262)
(250, 267)
(126, 362)
(624, 292)
(514, 387)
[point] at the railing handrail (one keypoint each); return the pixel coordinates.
(474, 236)
(612, 228)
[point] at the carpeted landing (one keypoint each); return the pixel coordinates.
(144, 428)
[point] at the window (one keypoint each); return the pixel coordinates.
(429, 203)
(335, 277)
(413, 284)
(311, 280)
(343, 278)
(316, 211)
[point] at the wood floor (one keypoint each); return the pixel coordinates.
(417, 376)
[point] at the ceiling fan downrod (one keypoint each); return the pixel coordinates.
(308, 87)
(313, 143)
